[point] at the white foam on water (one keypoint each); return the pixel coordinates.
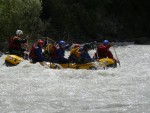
(31, 88)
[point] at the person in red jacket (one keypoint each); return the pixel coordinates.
(103, 51)
(15, 44)
(36, 54)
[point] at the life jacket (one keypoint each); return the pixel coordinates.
(32, 54)
(103, 51)
(75, 51)
(50, 50)
(12, 42)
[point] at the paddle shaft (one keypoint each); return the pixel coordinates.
(116, 55)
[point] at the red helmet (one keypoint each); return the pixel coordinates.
(41, 42)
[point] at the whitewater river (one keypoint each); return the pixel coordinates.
(31, 88)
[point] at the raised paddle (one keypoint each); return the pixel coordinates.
(116, 55)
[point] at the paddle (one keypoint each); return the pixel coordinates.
(44, 64)
(50, 39)
(116, 55)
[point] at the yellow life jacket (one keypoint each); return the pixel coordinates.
(50, 51)
(50, 48)
(75, 51)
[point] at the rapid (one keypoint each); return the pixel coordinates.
(31, 88)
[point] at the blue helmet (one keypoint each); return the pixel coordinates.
(62, 42)
(105, 42)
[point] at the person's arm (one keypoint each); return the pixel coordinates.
(23, 41)
(20, 41)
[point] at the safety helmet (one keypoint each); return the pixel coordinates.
(105, 42)
(87, 46)
(19, 32)
(62, 42)
(41, 42)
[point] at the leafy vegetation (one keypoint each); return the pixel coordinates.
(76, 20)
(20, 14)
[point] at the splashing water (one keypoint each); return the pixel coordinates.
(31, 88)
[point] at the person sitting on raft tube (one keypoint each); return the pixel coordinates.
(15, 44)
(36, 54)
(59, 56)
(75, 53)
(84, 55)
(103, 51)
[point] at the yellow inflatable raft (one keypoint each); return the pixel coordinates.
(100, 63)
(107, 62)
(90, 65)
(13, 60)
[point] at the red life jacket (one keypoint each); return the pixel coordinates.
(12, 42)
(103, 51)
(32, 54)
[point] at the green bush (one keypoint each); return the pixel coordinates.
(20, 14)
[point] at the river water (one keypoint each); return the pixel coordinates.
(31, 88)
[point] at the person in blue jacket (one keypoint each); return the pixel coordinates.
(84, 56)
(36, 54)
(60, 52)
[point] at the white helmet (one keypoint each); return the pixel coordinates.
(19, 32)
